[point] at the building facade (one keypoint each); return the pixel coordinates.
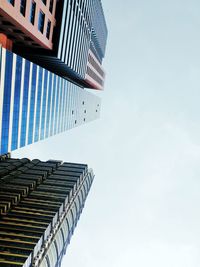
(66, 37)
(82, 40)
(28, 22)
(50, 50)
(41, 203)
(36, 104)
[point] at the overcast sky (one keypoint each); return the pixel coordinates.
(143, 208)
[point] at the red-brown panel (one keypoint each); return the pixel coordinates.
(5, 42)
(12, 15)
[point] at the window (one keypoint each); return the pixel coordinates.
(12, 2)
(23, 7)
(48, 29)
(41, 21)
(56, 247)
(47, 261)
(51, 6)
(63, 236)
(32, 14)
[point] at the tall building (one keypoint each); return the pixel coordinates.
(79, 43)
(41, 203)
(36, 103)
(49, 52)
(68, 37)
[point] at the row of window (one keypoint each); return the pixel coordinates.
(41, 17)
(66, 229)
(93, 75)
(74, 38)
(27, 221)
(41, 20)
(41, 105)
(99, 28)
(23, 5)
(95, 65)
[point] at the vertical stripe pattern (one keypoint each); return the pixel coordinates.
(35, 103)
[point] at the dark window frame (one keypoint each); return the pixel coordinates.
(23, 7)
(48, 29)
(51, 5)
(12, 2)
(41, 20)
(32, 13)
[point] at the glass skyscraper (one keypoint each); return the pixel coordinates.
(49, 52)
(36, 103)
(40, 204)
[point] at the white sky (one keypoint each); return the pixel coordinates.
(143, 208)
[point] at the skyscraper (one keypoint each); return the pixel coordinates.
(51, 51)
(36, 103)
(66, 37)
(41, 203)
(79, 43)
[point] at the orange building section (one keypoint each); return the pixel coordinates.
(28, 22)
(5, 42)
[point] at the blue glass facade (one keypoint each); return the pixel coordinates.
(15, 125)
(25, 103)
(32, 104)
(6, 102)
(36, 104)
